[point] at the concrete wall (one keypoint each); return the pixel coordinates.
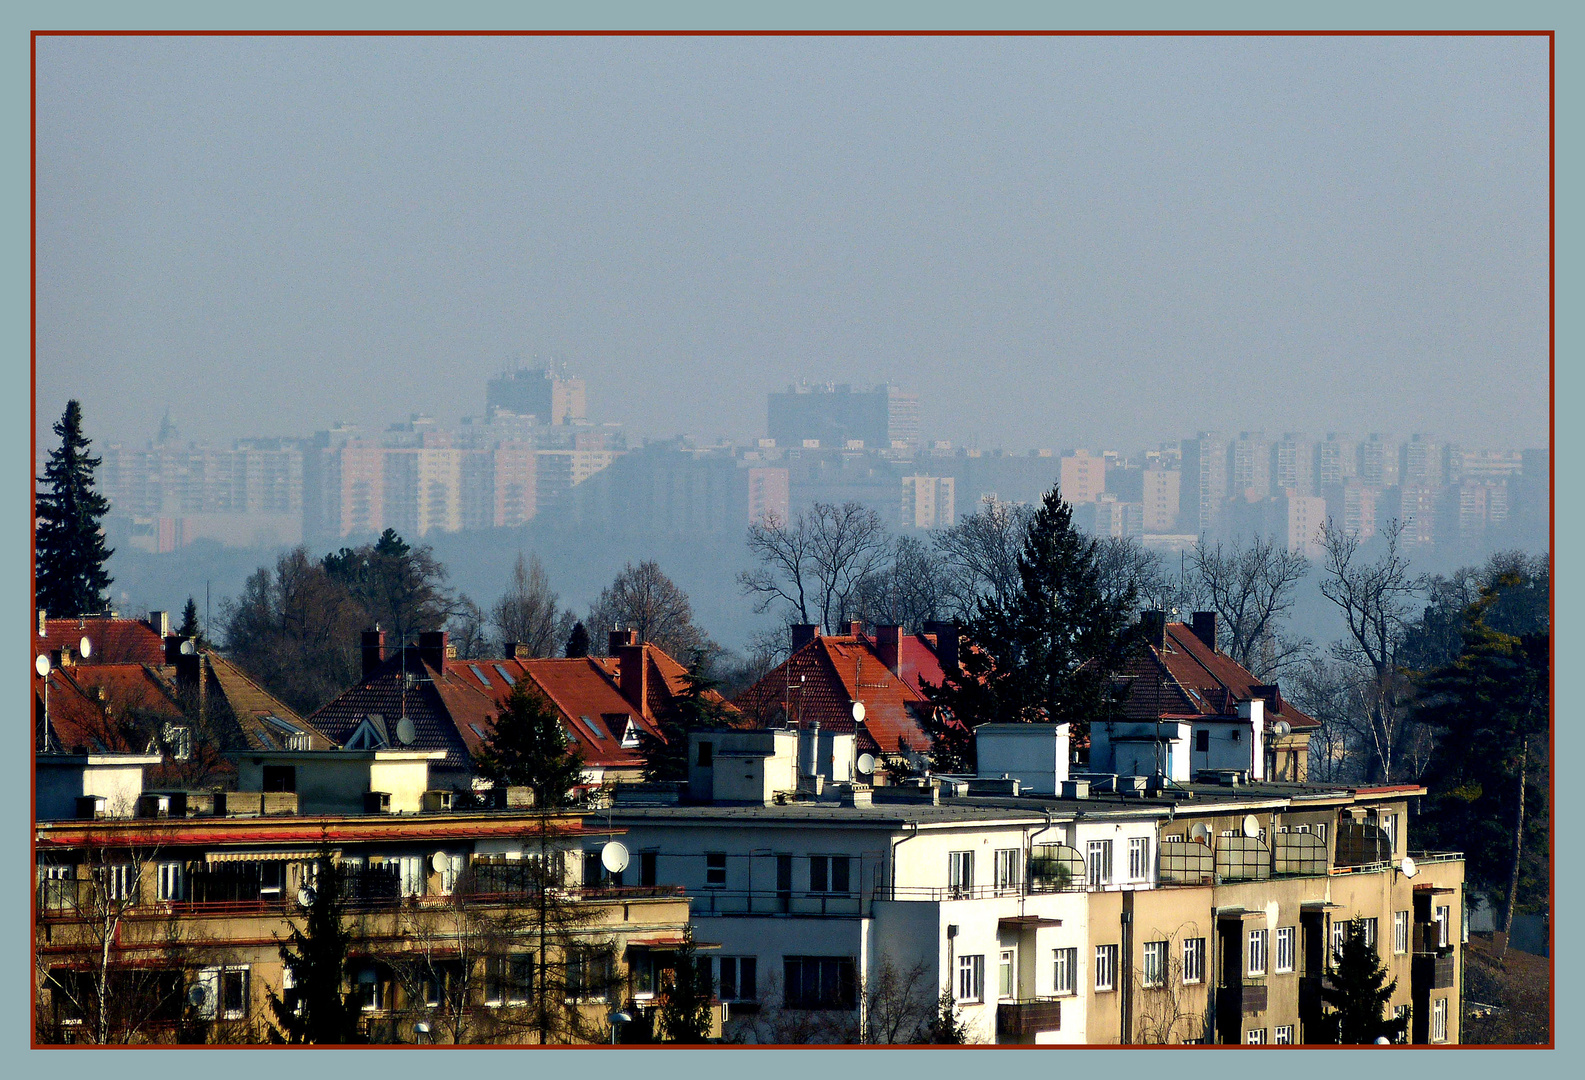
(60, 782)
(1036, 755)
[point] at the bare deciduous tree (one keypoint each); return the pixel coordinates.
(1127, 569)
(644, 599)
(530, 613)
(981, 552)
(814, 566)
(1251, 589)
(467, 630)
(1168, 1010)
(908, 591)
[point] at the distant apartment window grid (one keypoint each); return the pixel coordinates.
(1100, 862)
(1139, 858)
(1064, 971)
(1106, 967)
(715, 870)
(971, 977)
(1007, 862)
(1194, 960)
(1257, 952)
(960, 872)
(1400, 932)
(1284, 960)
(1155, 970)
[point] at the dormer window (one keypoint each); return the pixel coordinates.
(630, 736)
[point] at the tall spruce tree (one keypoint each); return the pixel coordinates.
(529, 746)
(1356, 994)
(577, 641)
(70, 551)
(1045, 654)
(317, 1009)
(697, 708)
(686, 999)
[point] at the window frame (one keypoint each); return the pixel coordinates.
(971, 978)
(1193, 961)
(1400, 933)
(1139, 858)
(1007, 863)
(1153, 972)
(712, 868)
(1065, 961)
(1098, 863)
(1257, 956)
(1255, 1037)
(1439, 1012)
(1282, 1035)
(1283, 961)
(1105, 969)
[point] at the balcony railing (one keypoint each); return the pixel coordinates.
(1434, 971)
(777, 902)
(1028, 1016)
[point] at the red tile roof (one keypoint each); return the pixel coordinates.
(1184, 677)
(822, 680)
(112, 641)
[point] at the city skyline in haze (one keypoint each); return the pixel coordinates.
(1054, 242)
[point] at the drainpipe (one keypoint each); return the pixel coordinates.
(1125, 973)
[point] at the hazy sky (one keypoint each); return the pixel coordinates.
(1054, 241)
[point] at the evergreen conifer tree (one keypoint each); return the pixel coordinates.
(577, 641)
(1356, 996)
(189, 627)
(70, 552)
(529, 746)
(697, 708)
(686, 1001)
(317, 1010)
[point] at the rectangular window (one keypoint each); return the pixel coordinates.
(1256, 1037)
(971, 978)
(1400, 932)
(1444, 924)
(1155, 973)
(590, 974)
(715, 870)
(1202, 740)
(1106, 967)
(739, 979)
(960, 873)
(225, 993)
(173, 881)
(1389, 825)
(1398, 1013)
(646, 868)
(120, 881)
(1065, 969)
(1339, 935)
(412, 870)
(1007, 860)
(1284, 949)
(706, 753)
(1283, 1036)
(830, 874)
(1099, 862)
(1006, 975)
(1257, 953)
(1139, 858)
(819, 982)
(1439, 1020)
(1194, 960)
(1320, 832)
(1370, 933)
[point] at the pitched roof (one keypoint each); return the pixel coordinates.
(1185, 677)
(112, 641)
(822, 680)
(254, 707)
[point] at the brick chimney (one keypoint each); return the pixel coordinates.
(803, 634)
(632, 672)
(946, 643)
(856, 628)
(888, 646)
(1205, 628)
(43, 621)
(510, 650)
(618, 638)
(373, 643)
(1153, 624)
(432, 649)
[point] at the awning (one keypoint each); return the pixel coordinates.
(261, 856)
(1240, 913)
(659, 941)
(1318, 905)
(1440, 889)
(1026, 922)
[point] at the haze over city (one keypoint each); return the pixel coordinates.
(1053, 242)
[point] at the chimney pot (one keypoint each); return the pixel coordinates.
(618, 638)
(803, 634)
(632, 673)
(43, 622)
(946, 643)
(433, 649)
(160, 622)
(373, 645)
(509, 650)
(856, 628)
(888, 647)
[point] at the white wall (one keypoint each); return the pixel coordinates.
(1036, 755)
(59, 783)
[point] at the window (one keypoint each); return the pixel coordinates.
(173, 881)
(509, 979)
(1283, 1036)
(1194, 960)
(121, 881)
(1139, 858)
(1284, 949)
(1202, 740)
(706, 754)
(280, 778)
(1100, 862)
(819, 982)
(960, 872)
(1257, 953)
(1007, 860)
(225, 993)
(1398, 1013)
(370, 990)
(1389, 825)
(1256, 1037)
(450, 868)
(1370, 932)
(506, 676)
(1006, 974)
(481, 676)
(971, 977)
(646, 868)
(1339, 935)
(830, 874)
(1444, 917)
(412, 870)
(1400, 932)
(715, 870)
(590, 974)
(1065, 971)
(178, 740)
(1106, 967)
(1155, 974)
(1320, 832)
(1439, 1020)
(739, 979)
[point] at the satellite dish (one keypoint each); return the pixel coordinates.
(42, 665)
(858, 712)
(305, 896)
(1281, 728)
(866, 763)
(1408, 867)
(405, 731)
(614, 857)
(440, 861)
(196, 995)
(85, 647)
(188, 648)
(1201, 832)
(1251, 825)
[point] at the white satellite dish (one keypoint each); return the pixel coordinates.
(1408, 867)
(866, 763)
(858, 712)
(85, 647)
(1281, 728)
(405, 731)
(305, 896)
(614, 857)
(440, 861)
(188, 648)
(1201, 832)
(42, 665)
(1251, 825)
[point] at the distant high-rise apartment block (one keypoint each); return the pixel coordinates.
(1422, 462)
(1417, 513)
(1082, 476)
(1379, 461)
(1110, 516)
(1306, 517)
(769, 496)
(928, 502)
(1336, 460)
(547, 394)
(1159, 496)
(1205, 482)
(835, 415)
(1293, 464)
(1351, 506)
(1250, 464)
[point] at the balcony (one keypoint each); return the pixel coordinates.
(1027, 1016)
(1434, 971)
(1244, 999)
